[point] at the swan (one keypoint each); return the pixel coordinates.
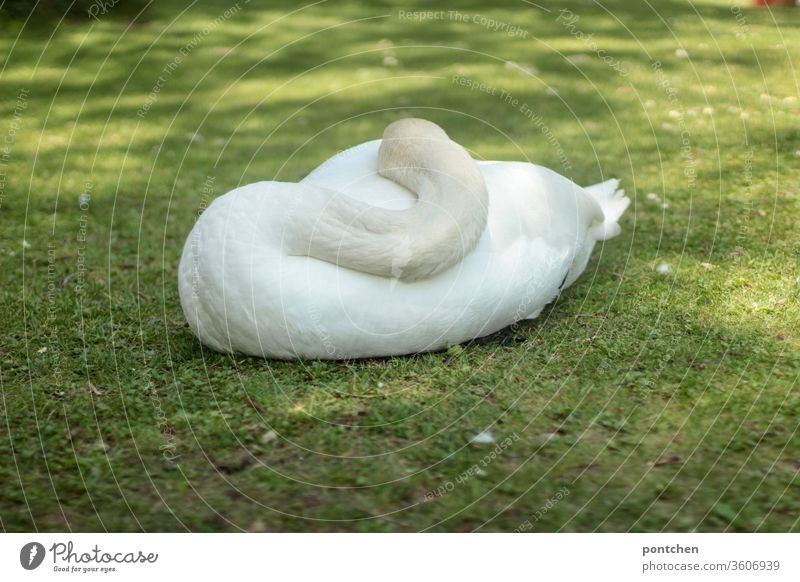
(396, 246)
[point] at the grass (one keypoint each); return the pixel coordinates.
(655, 401)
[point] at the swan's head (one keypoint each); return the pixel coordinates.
(412, 127)
(415, 150)
(452, 207)
(411, 144)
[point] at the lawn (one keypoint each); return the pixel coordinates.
(658, 393)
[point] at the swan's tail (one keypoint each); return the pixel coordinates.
(613, 203)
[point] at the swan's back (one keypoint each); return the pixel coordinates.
(354, 173)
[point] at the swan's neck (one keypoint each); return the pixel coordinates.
(434, 234)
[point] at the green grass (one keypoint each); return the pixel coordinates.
(659, 402)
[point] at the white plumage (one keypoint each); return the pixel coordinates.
(247, 284)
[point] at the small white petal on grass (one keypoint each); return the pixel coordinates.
(381, 384)
(653, 197)
(707, 266)
(483, 438)
(674, 114)
(681, 53)
(390, 61)
(41, 350)
(665, 205)
(667, 126)
(708, 110)
(578, 59)
(269, 436)
(663, 269)
(522, 68)
(649, 103)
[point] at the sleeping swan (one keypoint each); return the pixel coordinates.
(396, 246)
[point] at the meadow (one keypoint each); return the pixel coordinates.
(659, 393)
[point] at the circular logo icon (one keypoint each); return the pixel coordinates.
(31, 555)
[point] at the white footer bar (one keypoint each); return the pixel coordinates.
(389, 557)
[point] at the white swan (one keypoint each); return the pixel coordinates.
(350, 263)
